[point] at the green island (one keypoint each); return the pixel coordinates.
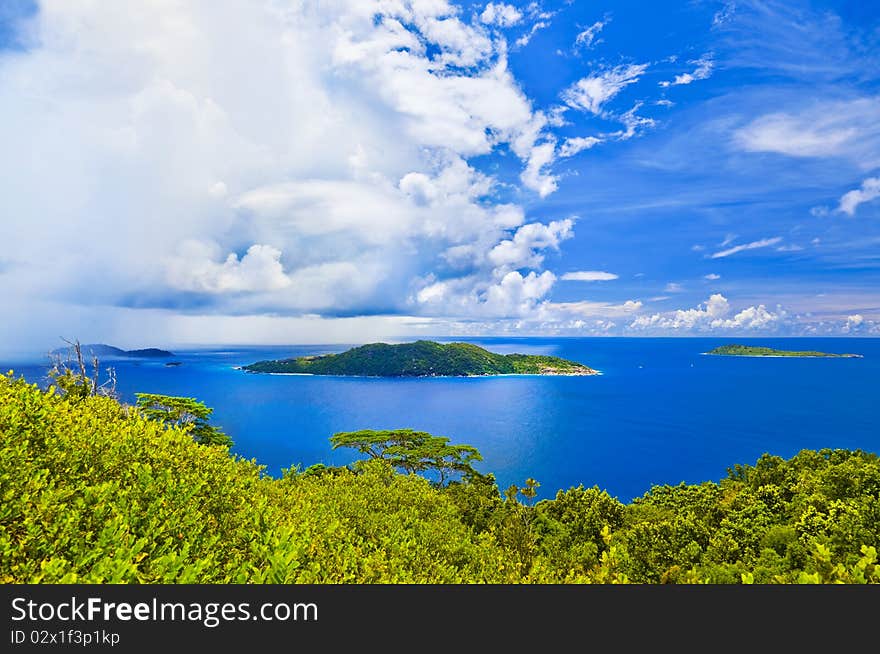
(95, 491)
(422, 359)
(754, 351)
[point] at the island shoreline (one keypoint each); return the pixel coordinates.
(423, 359)
(595, 373)
(786, 356)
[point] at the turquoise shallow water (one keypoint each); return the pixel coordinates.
(661, 412)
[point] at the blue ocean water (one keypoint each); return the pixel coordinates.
(661, 412)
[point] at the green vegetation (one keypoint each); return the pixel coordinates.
(185, 412)
(422, 359)
(753, 351)
(71, 376)
(412, 451)
(95, 491)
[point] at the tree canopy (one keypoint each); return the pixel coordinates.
(185, 412)
(96, 492)
(412, 451)
(422, 359)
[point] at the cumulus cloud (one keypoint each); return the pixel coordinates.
(709, 316)
(525, 249)
(703, 70)
(754, 245)
(517, 295)
(194, 269)
(536, 175)
(494, 285)
(751, 318)
(591, 93)
(250, 153)
(712, 277)
(501, 14)
(853, 323)
(511, 295)
(851, 200)
(589, 276)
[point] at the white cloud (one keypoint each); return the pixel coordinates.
(715, 308)
(194, 269)
(710, 316)
(336, 183)
(587, 38)
(524, 40)
(536, 176)
(588, 309)
(511, 295)
(853, 323)
(518, 295)
(724, 14)
(712, 277)
(525, 249)
(500, 14)
(751, 318)
(632, 123)
(590, 93)
(849, 129)
(372, 214)
(786, 135)
(673, 287)
(589, 276)
(790, 247)
(497, 288)
(850, 200)
(763, 243)
(703, 70)
(576, 144)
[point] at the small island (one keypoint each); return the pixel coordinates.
(105, 351)
(421, 359)
(754, 351)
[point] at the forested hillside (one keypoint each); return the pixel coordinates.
(94, 491)
(422, 359)
(755, 351)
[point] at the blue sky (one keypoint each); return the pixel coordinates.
(339, 171)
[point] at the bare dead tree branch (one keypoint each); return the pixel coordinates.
(72, 376)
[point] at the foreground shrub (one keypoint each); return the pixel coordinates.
(94, 491)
